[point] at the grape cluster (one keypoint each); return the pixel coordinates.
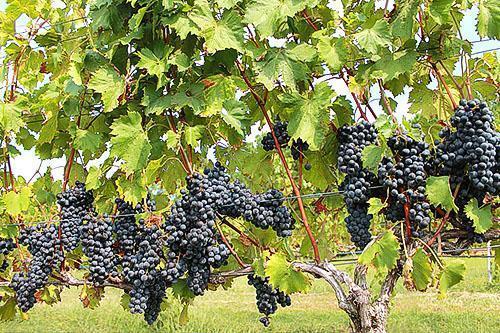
(6, 246)
(281, 132)
(125, 227)
(267, 297)
(472, 147)
(75, 203)
(147, 280)
(358, 183)
(45, 247)
(298, 148)
(97, 242)
(405, 180)
(469, 155)
(192, 233)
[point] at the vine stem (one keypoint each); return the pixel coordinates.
(441, 79)
(450, 75)
(68, 168)
(233, 252)
(296, 190)
(185, 161)
(445, 219)
(241, 233)
(7, 158)
(386, 102)
(355, 98)
(309, 21)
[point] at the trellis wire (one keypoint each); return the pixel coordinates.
(293, 197)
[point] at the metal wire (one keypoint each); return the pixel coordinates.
(304, 196)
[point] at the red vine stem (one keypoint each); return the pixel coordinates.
(233, 252)
(406, 207)
(68, 168)
(241, 233)
(441, 79)
(296, 190)
(185, 160)
(301, 160)
(445, 219)
(355, 98)
(450, 75)
(309, 21)
(386, 102)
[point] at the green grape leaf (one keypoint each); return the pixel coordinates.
(279, 63)
(439, 193)
(92, 182)
(192, 134)
(172, 139)
(220, 88)
(219, 35)
(87, 140)
(371, 156)
(422, 270)
(227, 3)
(440, 11)
(50, 295)
(110, 85)
(452, 274)
(309, 120)
(48, 130)
(268, 15)
(320, 174)
(488, 19)
(17, 202)
(283, 276)
(236, 113)
(129, 142)
(383, 253)
(375, 206)
(405, 19)
(371, 39)
(154, 65)
(482, 218)
(10, 117)
(91, 296)
(131, 188)
(332, 50)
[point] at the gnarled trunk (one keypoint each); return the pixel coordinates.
(355, 298)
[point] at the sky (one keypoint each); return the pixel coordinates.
(27, 163)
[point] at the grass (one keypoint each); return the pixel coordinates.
(471, 306)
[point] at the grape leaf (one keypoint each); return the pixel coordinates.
(192, 134)
(17, 202)
(268, 15)
(92, 181)
(452, 274)
(488, 19)
(154, 65)
(8, 309)
(48, 130)
(375, 206)
(236, 113)
(219, 35)
(383, 253)
(309, 120)
(405, 19)
(439, 193)
(332, 50)
(129, 142)
(422, 270)
(278, 63)
(320, 174)
(86, 140)
(283, 276)
(481, 217)
(110, 85)
(10, 117)
(371, 39)
(220, 88)
(131, 188)
(371, 156)
(440, 10)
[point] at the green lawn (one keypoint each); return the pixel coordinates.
(472, 306)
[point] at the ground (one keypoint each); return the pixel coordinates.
(472, 306)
